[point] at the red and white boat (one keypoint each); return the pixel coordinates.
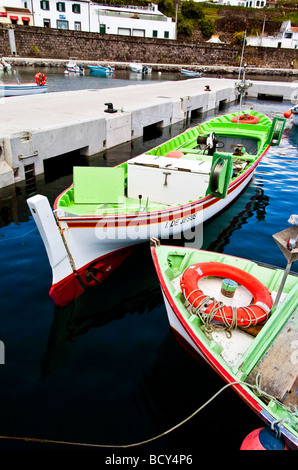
(169, 190)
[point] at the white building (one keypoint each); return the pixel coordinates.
(286, 38)
(243, 3)
(145, 21)
(68, 14)
(84, 15)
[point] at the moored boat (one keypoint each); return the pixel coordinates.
(19, 89)
(241, 318)
(191, 73)
(140, 68)
(292, 112)
(101, 69)
(72, 67)
(163, 192)
(5, 66)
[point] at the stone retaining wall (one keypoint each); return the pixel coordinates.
(60, 44)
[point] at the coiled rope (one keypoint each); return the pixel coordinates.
(256, 387)
(218, 308)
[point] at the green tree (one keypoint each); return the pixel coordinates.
(167, 8)
(206, 27)
(192, 10)
(238, 38)
(185, 27)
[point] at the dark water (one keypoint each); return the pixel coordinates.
(106, 369)
(57, 80)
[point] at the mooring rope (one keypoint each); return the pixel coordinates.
(256, 387)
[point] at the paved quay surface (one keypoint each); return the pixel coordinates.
(33, 112)
(39, 127)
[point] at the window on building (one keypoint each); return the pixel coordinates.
(62, 24)
(288, 35)
(45, 4)
(46, 23)
(60, 6)
(166, 34)
(77, 26)
(154, 33)
(76, 8)
(102, 29)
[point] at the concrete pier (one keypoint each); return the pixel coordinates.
(35, 128)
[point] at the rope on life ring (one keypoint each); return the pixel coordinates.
(40, 79)
(246, 119)
(207, 306)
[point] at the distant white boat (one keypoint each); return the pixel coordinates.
(19, 89)
(140, 68)
(191, 73)
(4, 66)
(72, 67)
(292, 112)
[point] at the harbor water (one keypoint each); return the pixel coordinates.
(106, 371)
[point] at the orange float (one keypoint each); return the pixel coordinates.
(175, 154)
(249, 315)
(246, 119)
(40, 79)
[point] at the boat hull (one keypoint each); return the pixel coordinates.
(177, 205)
(200, 348)
(107, 241)
(20, 90)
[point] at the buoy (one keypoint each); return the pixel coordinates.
(175, 154)
(263, 439)
(288, 113)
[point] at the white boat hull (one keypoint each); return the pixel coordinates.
(20, 90)
(103, 240)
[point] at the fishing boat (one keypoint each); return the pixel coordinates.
(242, 318)
(163, 192)
(72, 67)
(191, 73)
(5, 66)
(101, 69)
(292, 112)
(19, 89)
(140, 68)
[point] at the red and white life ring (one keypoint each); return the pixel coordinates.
(250, 315)
(246, 119)
(40, 79)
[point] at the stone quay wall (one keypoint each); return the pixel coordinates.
(37, 42)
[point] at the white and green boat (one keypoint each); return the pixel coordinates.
(242, 318)
(164, 192)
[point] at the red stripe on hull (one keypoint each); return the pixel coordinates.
(88, 276)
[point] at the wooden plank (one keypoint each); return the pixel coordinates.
(291, 397)
(279, 365)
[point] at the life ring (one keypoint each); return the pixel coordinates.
(246, 119)
(175, 154)
(40, 79)
(250, 315)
